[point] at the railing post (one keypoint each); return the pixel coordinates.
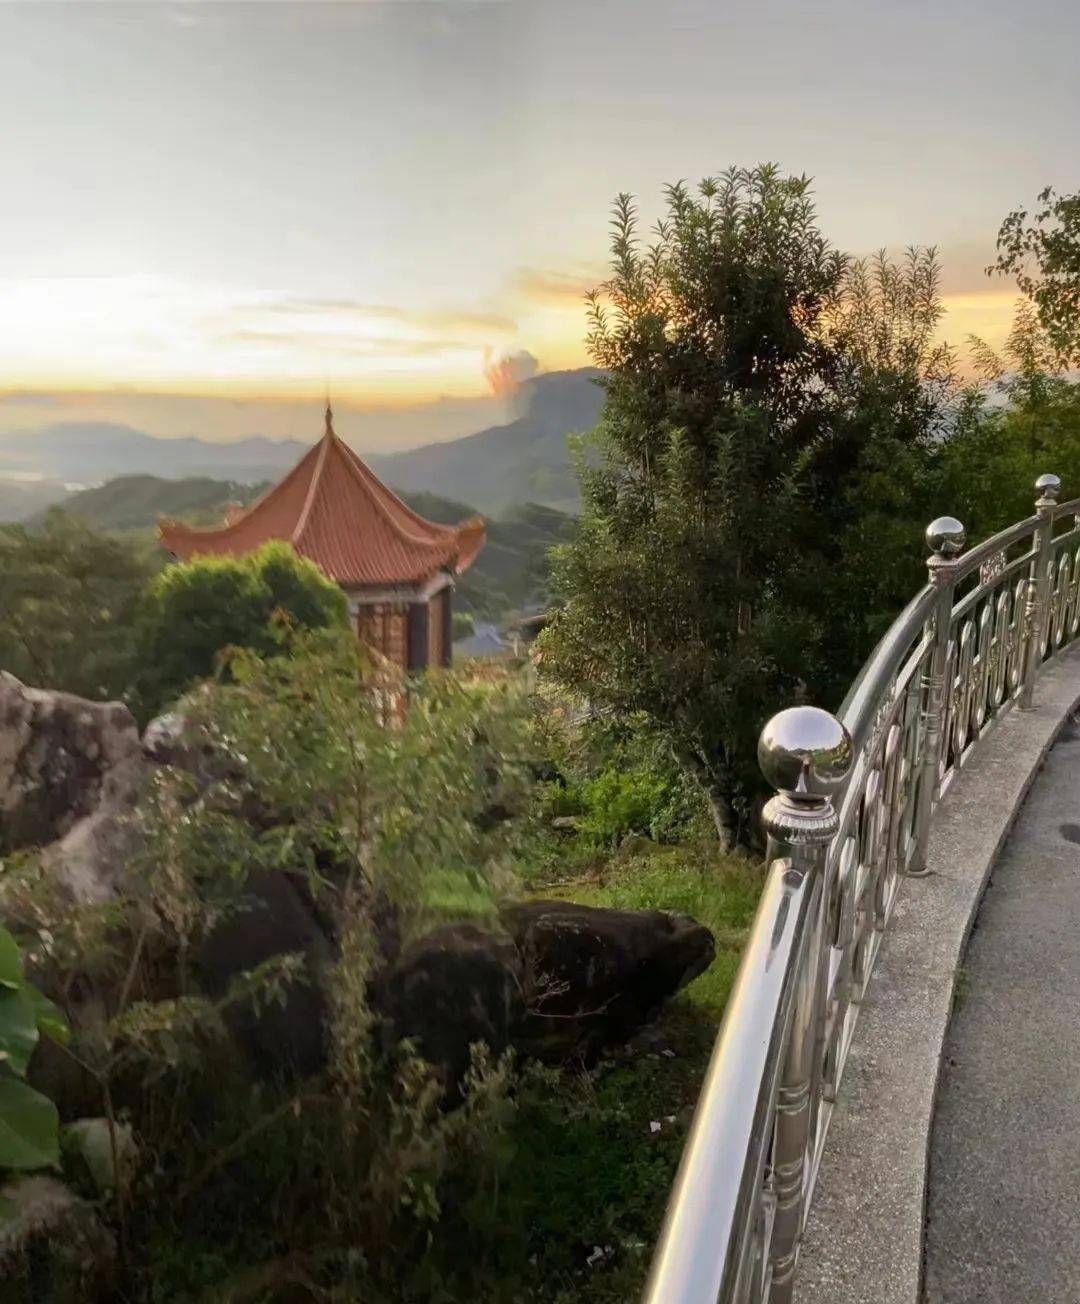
(805, 753)
(945, 537)
(1037, 599)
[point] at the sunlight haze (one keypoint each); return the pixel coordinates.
(213, 212)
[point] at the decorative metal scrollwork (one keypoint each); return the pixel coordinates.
(992, 567)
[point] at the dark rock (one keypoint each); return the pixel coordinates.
(593, 977)
(566, 981)
(452, 987)
(281, 918)
(53, 1245)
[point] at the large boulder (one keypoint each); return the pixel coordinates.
(281, 918)
(62, 758)
(70, 772)
(593, 977)
(452, 987)
(561, 983)
(173, 740)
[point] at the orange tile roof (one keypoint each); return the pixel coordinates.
(335, 511)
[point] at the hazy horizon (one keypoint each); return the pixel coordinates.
(214, 212)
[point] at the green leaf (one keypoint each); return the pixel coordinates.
(50, 1017)
(11, 969)
(18, 1030)
(29, 1128)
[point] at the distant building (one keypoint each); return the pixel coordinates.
(484, 641)
(397, 569)
(524, 630)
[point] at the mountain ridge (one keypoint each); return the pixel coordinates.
(510, 573)
(523, 460)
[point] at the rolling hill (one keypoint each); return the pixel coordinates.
(89, 452)
(510, 574)
(134, 502)
(523, 461)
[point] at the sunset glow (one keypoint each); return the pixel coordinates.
(397, 201)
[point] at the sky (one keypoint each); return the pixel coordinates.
(212, 213)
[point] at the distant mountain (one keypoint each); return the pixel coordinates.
(524, 461)
(90, 452)
(510, 574)
(134, 502)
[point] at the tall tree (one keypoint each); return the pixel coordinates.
(1021, 419)
(719, 379)
(758, 384)
(870, 486)
(68, 595)
(1043, 253)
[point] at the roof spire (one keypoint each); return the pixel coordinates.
(329, 416)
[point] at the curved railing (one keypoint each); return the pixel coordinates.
(851, 817)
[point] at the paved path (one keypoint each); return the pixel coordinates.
(1003, 1216)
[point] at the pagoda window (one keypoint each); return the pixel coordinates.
(384, 627)
(436, 629)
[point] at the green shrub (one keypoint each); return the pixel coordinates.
(338, 1179)
(195, 610)
(618, 802)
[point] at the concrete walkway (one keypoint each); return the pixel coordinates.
(1003, 1213)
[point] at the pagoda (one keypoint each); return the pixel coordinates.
(396, 568)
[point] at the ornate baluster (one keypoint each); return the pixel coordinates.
(1061, 597)
(1016, 637)
(1037, 605)
(1073, 603)
(806, 754)
(945, 538)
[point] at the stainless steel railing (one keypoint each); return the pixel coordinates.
(855, 794)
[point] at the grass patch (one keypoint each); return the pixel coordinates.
(598, 1169)
(719, 891)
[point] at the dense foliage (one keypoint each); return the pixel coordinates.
(769, 406)
(1022, 421)
(29, 1125)
(69, 598)
(194, 610)
(360, 1179)
(341, 1173)
(1042, 251)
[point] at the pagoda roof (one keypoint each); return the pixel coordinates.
(335, 511)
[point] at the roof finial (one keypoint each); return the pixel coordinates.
(329, 415)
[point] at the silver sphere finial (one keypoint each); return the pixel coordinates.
(805, 753)
(946, 537)
(1048, 486)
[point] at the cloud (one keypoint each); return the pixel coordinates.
(446, 320)
(557, 289)
(348, 346)
(506, 371)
